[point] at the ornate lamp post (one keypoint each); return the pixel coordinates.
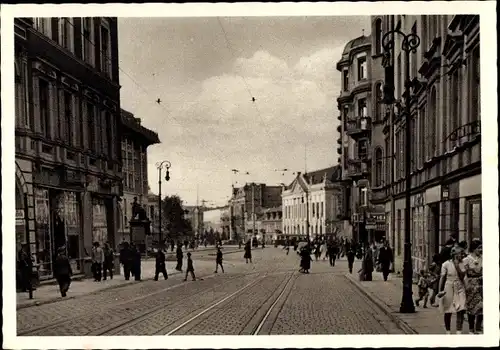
(409, 44)
(160, 165)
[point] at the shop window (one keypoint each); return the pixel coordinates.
(474, 219)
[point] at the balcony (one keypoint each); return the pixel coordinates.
(339, 117)
(339, 150)
(339, 128)
(359, 127)
(339, 141)
(357, 170)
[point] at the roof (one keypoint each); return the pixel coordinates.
(332, 174)
(133, 125)
(362, 40)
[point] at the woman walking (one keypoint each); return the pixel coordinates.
(305, 260)
(452, 290)
(473, 265)
(62, 271)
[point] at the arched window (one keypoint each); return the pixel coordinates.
(378, 101)
(431, 127)
(378, 36)
(378, 166)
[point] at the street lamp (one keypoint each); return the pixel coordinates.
(160, 165)
(409, 44)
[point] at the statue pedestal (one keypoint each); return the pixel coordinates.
(139, 229)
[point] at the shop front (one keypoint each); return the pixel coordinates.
(58, 224)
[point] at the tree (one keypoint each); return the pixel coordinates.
(174, 222)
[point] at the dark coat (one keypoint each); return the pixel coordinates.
(62, 267)
(126, 255)
(160, 259)
(385, 256)
(179, 253)
(305, 259)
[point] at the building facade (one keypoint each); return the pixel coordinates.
(244, 214)
(225, 219)
(134, 143)
(68, 131)
(271, 224)
(361, 141)
(314, 204)
(446, 135)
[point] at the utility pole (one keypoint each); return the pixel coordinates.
(159, 166)
(253, 212)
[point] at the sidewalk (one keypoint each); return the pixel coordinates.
(49, 293)
(387, 295)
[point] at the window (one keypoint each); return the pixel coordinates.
(364, 196)
(399, 80)
(421, 135)
(402, 148)
(362, 111)
(109, 134)
(88, 42)
(431, 128)
(378, 36)
(362, 74)
(379, 107)
(313, 211)
(20, 96)
(474, 216)
(105, 51)
(398, 232)
(65, 33)
(378, 167)
(67, 118)
(42, 24)
(345, 79)
(45, 123)
(91, 127)
(475, 113)
(455, 115)
(414, 143)
(388, 161)
(362, 148)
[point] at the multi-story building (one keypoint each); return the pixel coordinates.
(225, 219)
(67, 127)
(134, 143)
(314, 204)
(244, 213)
(194, 214)
(271, 224)
(361, 140)
(446, 134)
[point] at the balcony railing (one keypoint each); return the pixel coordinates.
(357, 170)
(359, 126)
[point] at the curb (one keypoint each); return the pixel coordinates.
(405, 327)
(58, 298)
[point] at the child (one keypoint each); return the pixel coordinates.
(190, 268)
(423, 288)
(218, 260)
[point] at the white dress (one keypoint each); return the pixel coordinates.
(454, 299)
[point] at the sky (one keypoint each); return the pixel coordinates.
(206, 72)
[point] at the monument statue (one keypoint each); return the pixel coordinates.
(138, 211)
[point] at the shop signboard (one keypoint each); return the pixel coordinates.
(19, 217)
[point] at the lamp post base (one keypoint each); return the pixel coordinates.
(407, 306)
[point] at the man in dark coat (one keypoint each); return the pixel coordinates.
(351, 254)
(136, 262)
(385, 258)
(62, 271)
(179, 256)
(26, 270)
(161, 265)
(332, 252)
(126, 259)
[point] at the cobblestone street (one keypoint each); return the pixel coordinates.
(267, 296)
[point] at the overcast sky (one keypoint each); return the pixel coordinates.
(207, 122)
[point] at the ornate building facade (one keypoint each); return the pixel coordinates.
(445, 125)
(360, 144)
(68, 131)
(313, 204)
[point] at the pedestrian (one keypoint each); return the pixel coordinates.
(332, 253)
(109, 261)
(434, 273)
(351, 254)
(248, 252)
(473, 264)
(452, 290)
(305, 260)
(97, 261)
(190, 268)
(324, 249)
(126, 259)
(423, 288)
(385, 258)
(179, 255)
(25, 262)
(367, 264)
(160, 264)
(218, 260)
(62, 271)
(172, 245)
(186, 244)
(136, 262)
(287, 247)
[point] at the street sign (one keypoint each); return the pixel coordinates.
(19, 217)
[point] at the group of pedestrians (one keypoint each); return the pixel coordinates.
(103, 261)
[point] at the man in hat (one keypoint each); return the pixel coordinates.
(161, 265)
(62, 271)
